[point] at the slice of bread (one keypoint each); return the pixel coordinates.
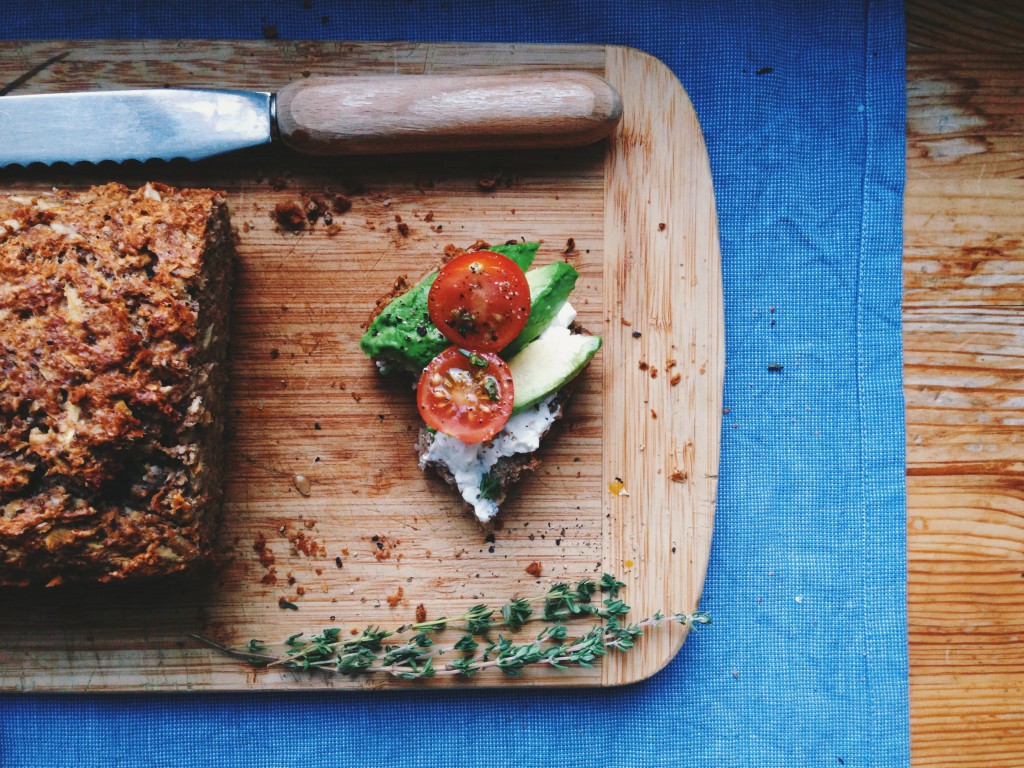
(498, 459)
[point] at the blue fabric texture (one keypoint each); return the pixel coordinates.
(802, 104)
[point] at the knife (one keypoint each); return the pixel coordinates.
(316, 116)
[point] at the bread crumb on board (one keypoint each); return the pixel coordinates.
(396, 598)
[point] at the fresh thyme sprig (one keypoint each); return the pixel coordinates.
(417, 656)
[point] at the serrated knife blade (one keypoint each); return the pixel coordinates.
(131, 125)
(319, 116)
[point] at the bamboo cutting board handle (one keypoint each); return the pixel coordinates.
(432, 113)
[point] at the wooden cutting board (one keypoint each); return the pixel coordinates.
(635, 215)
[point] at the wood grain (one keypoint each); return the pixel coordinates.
(304, 401)
(963, 365)
(445, 113)
(658, 426)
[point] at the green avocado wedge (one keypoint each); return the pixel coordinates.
(549, 363)
(550, 287)
(403, 336)
(522, 254)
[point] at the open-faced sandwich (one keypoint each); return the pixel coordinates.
(494, 344)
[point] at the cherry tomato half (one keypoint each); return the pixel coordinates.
(480, 300)
(466, 394)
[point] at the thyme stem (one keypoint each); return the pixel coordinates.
(415, 657)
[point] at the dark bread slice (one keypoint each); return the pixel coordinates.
(113, 322)
(507, 471)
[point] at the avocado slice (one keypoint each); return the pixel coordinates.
(550, 287)
(403, 333)
(522, 254)
(549, 363)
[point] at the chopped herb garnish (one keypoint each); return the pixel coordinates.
(475, 359)
(462, 321)
(491, 388)
(489, 486)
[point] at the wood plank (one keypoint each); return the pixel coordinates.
(964, 113)
(963, 359)
(978, 25)
(662, 425)
(962, 511)
(303, 400)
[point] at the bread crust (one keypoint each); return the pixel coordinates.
(113, 327)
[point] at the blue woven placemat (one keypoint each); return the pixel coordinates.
(802, 105)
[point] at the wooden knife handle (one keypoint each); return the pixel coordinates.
(438, 113)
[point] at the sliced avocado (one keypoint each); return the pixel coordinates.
(522, 254)
(550, 286)
(549, 363)
(403, 333)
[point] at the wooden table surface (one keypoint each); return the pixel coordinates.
(964, 381)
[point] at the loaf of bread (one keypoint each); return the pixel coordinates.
(113, 334)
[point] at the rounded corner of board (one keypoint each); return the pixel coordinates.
(649, 670)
